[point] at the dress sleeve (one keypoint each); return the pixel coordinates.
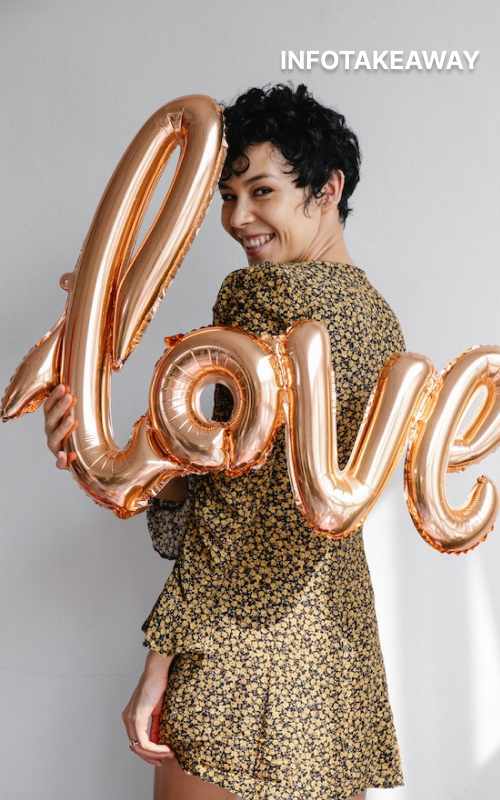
(166, 521)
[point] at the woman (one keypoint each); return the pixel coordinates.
(265, 632)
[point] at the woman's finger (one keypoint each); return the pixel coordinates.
(156, 761)
(143, 710)
(71, 425)
(65, 459)
(61, 460)
(135, 717)
(141, 733)
(57, 429)
(57, 437)
(57, 409)
(54, 396)
(61, 410)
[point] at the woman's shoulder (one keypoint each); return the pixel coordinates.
(293, 288)
(253, 273)
(273, 295)
(291, 272)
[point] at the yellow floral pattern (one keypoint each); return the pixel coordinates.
(278, 688)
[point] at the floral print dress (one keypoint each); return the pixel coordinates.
(278, 688)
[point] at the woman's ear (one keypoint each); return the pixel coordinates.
(333, 189)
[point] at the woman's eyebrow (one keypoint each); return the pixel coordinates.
(248, 180)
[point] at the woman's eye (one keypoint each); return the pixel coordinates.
(226, 197)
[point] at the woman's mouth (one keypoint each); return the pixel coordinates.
(255, 244)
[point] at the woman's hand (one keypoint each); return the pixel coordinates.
(59, 422)
(145, 703)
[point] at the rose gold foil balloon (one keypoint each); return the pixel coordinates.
(112, 297)
(336, 502)
(274, 380)
(247, 366)
(434, 449)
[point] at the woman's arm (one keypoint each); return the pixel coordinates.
(176, 489)
(167, 518)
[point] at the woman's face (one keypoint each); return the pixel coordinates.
(263, 210)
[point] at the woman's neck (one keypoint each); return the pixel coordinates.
(330, 247)
(339, 254)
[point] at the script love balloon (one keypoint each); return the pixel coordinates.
(288, 379)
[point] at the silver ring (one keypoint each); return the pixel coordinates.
(132, 743)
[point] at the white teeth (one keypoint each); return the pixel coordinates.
(257, 241)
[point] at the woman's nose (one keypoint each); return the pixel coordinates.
(241, 214)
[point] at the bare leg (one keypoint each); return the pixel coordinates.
(172, 783)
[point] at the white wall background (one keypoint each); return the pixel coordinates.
(78, 81)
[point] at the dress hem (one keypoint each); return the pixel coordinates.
(245, 788)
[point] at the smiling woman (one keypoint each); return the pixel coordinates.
(286, 182)
(265, 674)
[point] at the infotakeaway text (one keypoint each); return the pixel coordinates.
(380, 59)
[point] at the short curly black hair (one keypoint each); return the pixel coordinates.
(313, 138)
